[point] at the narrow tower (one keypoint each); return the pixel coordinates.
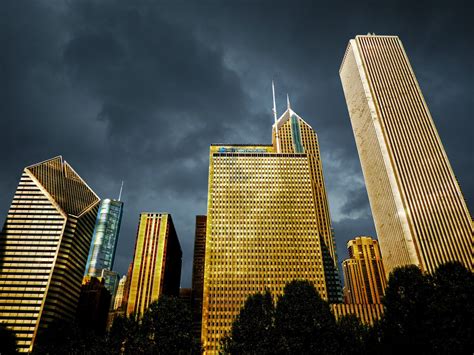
(419, 212)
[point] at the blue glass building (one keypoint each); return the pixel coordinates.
(104, 241)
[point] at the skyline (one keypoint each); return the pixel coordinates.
(234, 107)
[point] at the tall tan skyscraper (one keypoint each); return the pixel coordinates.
(420, 214)
(156, 262)
(263, 223)
(297, 136)
(43, 248)
(364, 275)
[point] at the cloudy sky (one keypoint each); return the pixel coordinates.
(138, 90)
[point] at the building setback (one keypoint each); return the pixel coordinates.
(156, 263)
(43, 249)
(364, 275)
(419, 211)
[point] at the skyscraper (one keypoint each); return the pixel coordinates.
(198, 273)
(106, 232)
(262, 230)
(419, 212)
(295, 135)
(43, 248)
(364, 275)
(119, 295)
(156, 262)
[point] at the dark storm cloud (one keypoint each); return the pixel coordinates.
(137, 90)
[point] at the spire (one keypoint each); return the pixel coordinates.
(288, 101)
(120, 194)
(277, 138)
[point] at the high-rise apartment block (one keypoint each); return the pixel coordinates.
(43, 248)
(156, 263)
(419, 211)
(364, 275)
(266, 208)
(106, 232)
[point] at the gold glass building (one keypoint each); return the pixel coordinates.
(419, 211)
(364, 275)
(295, 135)
(157, 261)
(43, 248)
(263, 222)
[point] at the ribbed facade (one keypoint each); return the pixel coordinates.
(43, 248)
(367, 313)
(156, 263)
(262, 231)
(297, 136)
(364, 275)
(419, 212)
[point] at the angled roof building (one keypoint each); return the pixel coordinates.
(44, 245)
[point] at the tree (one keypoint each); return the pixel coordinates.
(351, 335)
(7, 341)
(125, 337)
(451, 310)
(404, 323)
(303, 321)
(167, 324)
(253, 330)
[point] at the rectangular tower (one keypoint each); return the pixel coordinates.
(295, 135)
(262, 231)
(106, 232)
(364, 275)
(419, 212)
(156, 262)
(198, 273)
(43, 248)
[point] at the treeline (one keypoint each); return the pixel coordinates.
(423, 314)
(165, 328)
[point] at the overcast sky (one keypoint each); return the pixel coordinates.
(138, 90)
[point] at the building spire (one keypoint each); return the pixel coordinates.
(120, 194)
(277, 138)
(288, 101)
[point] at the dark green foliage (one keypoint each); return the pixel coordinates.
(303, 321)
(352, 335)
(451, 310)
(7, 341)
(167, 324)
(62, 337)
(252, 331)
(125, 337)
(404, 324)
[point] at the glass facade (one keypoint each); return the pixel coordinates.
(106, 232)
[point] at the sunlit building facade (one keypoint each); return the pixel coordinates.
(295, 135)
(419, 211)
(262, 231)
(44, 245)
(119, 295)
(364, 275)
(157, 262)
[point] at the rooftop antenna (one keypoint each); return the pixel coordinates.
(120, 194)
(277, 138)
(288, 101)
